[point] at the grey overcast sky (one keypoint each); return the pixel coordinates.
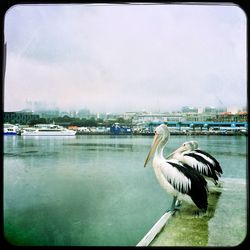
(126, 57)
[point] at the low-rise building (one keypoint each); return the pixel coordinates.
(157, 117)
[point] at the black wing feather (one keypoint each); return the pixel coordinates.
(211, 172)
(216, 163)
(198, 190)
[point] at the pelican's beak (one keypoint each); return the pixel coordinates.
(178, 150)
(151, 152)
(169, 156)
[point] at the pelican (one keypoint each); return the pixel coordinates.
(183, 183)
(192, 157)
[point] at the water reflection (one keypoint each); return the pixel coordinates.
(103, 146)
(31, 153)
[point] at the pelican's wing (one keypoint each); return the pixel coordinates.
(175, 177)
(210, 158)
(186, 181)
(201, 164)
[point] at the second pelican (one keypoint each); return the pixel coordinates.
(191, 156)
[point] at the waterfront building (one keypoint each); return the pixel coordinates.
(129, 115)
(229, 117)
(242, 116)
(157, 117)
(200, 117)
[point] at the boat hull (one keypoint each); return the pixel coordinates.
(9, 133)
(10, 129)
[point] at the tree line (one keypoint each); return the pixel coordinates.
(80, 122)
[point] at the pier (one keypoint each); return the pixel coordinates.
(224, 224)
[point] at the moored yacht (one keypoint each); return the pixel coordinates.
(47, 129)
(10, 129)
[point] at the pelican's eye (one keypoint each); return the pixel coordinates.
(184, 144)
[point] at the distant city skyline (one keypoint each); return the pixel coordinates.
(126, 57)
(36, 106)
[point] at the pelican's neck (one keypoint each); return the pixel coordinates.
(160, 148)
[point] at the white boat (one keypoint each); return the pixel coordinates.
(10, 129)
(47, 129)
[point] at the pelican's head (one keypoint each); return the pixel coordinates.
(188, 146)
(161, 135)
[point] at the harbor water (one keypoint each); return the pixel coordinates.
(91, 190)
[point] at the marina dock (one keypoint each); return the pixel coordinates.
(224, 224)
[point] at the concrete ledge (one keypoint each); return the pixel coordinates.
(224, 224)
(147, 239)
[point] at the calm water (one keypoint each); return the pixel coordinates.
(93, 190)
